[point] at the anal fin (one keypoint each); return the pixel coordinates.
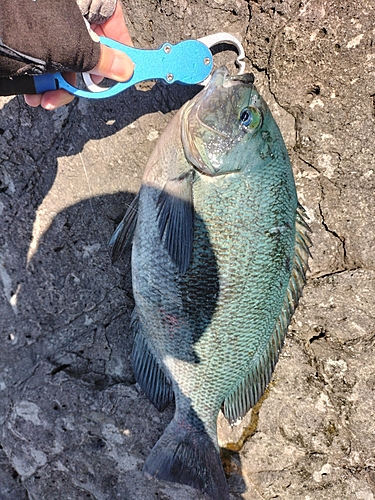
(148, 372)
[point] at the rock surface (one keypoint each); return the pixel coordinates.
(73, 424)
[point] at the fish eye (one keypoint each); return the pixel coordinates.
(250, 117)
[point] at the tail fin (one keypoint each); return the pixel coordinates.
(187, 455)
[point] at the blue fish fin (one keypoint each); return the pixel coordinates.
(176, 220)
(250, 389)
(123, 235)
(185, 454)
(148, 373)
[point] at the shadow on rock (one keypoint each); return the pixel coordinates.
(32, 140)
(72, 413)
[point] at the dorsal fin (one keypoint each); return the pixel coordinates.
(123, 235)
(250, 388)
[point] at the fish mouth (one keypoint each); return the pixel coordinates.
(222, 78)
(246, 78)
(207, 127)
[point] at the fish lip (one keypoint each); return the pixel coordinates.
(245, 78)
(222, 78)
(230, 80)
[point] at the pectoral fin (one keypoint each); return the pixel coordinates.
(176, 220)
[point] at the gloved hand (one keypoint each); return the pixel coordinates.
(97, 11)
(46, 36)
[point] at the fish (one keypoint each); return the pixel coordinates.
(220, 250)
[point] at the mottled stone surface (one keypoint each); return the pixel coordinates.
(73, 424)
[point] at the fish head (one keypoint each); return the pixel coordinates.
(223, 124)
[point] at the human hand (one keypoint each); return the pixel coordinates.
(112, 63)
(97, 11)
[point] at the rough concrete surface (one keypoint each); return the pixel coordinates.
(73, 424)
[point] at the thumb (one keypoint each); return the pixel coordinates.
(113, 64)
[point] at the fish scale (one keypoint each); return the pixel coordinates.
(219, 259)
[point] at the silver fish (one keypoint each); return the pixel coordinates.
(219, 259)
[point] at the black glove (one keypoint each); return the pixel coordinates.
(44, 36)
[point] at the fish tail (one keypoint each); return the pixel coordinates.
(187, 455)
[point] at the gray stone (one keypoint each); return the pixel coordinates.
(73, 424)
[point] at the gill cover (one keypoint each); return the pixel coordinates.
(226, 113)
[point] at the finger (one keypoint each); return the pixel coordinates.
(96, 78)
(115, 27)
(33, 100)
(114, 64)
(55, 98)
(49, 100)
